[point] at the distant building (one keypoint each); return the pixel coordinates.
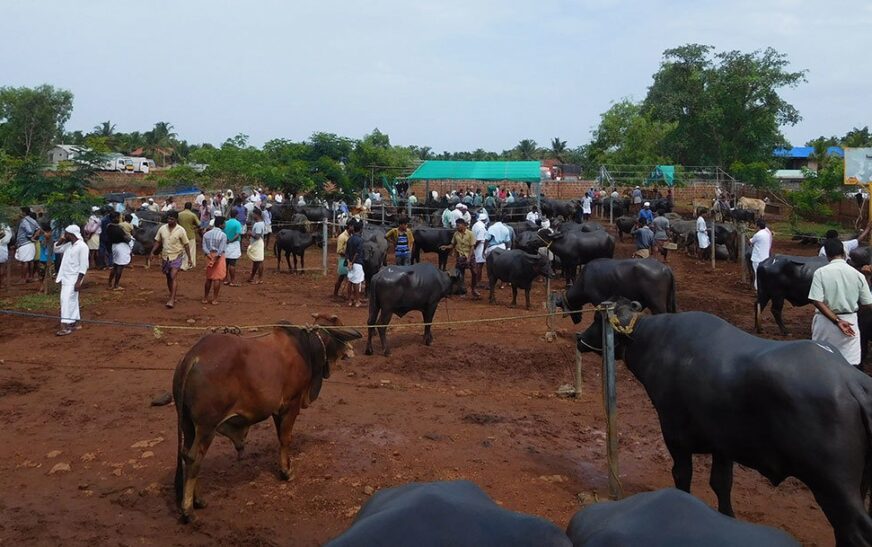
(803, 156)
(64, 152)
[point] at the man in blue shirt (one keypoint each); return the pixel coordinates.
(644, 239)
(646, 214)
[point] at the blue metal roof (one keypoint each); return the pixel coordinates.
(805, 152)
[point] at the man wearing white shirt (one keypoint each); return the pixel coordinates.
(849, 244)
(479, 232)
(533, 216)
(761, 245)
(72, 272)
(585, 207)
(201, 197)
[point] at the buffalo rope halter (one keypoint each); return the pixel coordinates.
(616, 325)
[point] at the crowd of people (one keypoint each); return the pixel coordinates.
(222, 222)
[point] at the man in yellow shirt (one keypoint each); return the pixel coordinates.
(341, 265)
(172, 242)
(189, 220)
(463, 243)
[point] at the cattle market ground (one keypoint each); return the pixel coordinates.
(84, 459)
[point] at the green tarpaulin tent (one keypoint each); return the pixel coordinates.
(520, 171)
(662, 174)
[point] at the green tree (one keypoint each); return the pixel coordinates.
(558, 149)
(32, 119)
(626, 136)
(526, 150)
(857, 138)
(726, 106)
(819, 189)
(160, 142)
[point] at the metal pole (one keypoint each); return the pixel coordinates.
(713, 242)
(610, 399)
(611, 210)
(324, 249)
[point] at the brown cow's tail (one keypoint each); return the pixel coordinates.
(179, 381)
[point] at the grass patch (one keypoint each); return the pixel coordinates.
(785, 230)
(38, 302)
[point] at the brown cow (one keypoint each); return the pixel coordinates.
(227, 383)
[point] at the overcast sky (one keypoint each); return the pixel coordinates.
(451, 74)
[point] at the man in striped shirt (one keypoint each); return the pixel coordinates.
(214, 247)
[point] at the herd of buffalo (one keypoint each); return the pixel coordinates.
(783, 408)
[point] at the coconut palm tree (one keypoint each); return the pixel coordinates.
(160, 141)
(526, 149)
(105, 129)
(558, 149)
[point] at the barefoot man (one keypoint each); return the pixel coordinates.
(172, 241)
(214, 246)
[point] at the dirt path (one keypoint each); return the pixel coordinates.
(86, 460)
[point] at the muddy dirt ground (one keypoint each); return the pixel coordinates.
(84, 459)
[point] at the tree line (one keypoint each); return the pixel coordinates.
(703, 108)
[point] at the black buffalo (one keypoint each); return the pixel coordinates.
(292, 243)
(529, 242)
(783, 408)
(431, 240)
(374, 257)
(647, 281)
(624, 225)
(436, 514)
(575, 249)
(667, 517)
(573, 226)
(618, 206)
(517, 268)
(781, 278)
(553, 208)
(397, 290)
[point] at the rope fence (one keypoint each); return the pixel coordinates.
(162, 327)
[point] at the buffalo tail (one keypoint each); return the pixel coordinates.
(671, 306)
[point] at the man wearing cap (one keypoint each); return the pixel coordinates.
(152, 206)
(637, 198)
(646, 213)
(533, 217)
(72, 272)
(838, 291)
(479, 232)
(172, 241)
(460, 211)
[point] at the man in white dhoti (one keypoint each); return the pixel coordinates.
(74, 266)
(702, 238)
(837, 291)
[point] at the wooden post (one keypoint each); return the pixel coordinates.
(713, 242)
(577, 372)
(550, 334)
(610, 399)
(326, 245)
(740, 233)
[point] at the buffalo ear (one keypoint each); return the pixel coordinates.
(635, 306)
